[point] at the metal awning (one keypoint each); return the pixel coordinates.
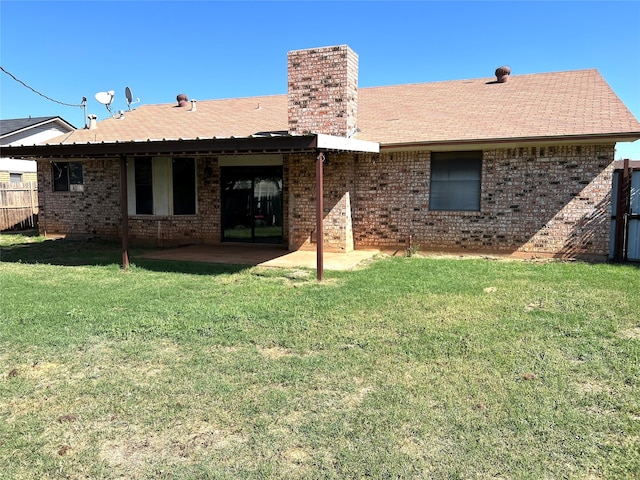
(197, 146)
(313, 143)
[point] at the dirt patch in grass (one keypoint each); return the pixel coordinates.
(591, 387)
(274, 353)
(599, 411)
(45, 378)
(135, 454)
(295, 458)
(298, 275)
(631, 333)
(42, 370)
(34, 372)
(356, 398)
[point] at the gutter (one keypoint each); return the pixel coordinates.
(164, 147)
(450, 145)
(212, 146)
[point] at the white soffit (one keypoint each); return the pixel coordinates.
(330, 142)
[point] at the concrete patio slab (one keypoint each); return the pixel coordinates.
(264, 256)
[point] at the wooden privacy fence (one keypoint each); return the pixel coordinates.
(625, 212)
(18, 205)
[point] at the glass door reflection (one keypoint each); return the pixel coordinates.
(252, 204)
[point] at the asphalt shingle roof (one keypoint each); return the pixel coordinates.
(15, 124)
(571, 103)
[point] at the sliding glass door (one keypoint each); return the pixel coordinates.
(252, 204)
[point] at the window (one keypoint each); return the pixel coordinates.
(15, 177)
(67, 177)
(184, 189)
(455, 181)
(144, 186)
(162, 186)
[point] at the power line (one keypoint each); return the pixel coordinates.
(41, 94)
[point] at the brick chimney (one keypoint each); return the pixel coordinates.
(323, 91)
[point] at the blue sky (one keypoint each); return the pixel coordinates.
(208, 49)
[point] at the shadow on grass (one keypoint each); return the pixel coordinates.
(192, 268)
(31, 249)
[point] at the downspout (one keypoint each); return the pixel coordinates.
(319, 215)
(124, 209)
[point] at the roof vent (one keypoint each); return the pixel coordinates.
(502, 74)
(183, 100)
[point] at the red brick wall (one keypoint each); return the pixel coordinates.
(554, 199)
(93, 212)
(301, 205)
(339, 188)
(323, 90)
(550, 200)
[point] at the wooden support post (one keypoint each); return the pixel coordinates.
(319, 217)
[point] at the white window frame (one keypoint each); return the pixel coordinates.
(162, 186)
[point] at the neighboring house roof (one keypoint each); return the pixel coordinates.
(36, 130)
(562, 105)
(14, 126)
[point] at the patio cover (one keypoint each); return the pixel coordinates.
(241, 145)
(312, 143)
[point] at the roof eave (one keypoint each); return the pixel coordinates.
(213, 146)
(449, 145)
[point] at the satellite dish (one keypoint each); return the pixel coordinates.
(106, 98)
(129, 95)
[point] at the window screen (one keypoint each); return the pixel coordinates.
(144, 186)
(184, 186)
(67, 176)
(455, 181)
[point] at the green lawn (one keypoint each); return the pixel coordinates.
(409, 368)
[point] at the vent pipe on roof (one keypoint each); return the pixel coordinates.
(193, 105)
(183, 100)
(502, 74)
(92, 121)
